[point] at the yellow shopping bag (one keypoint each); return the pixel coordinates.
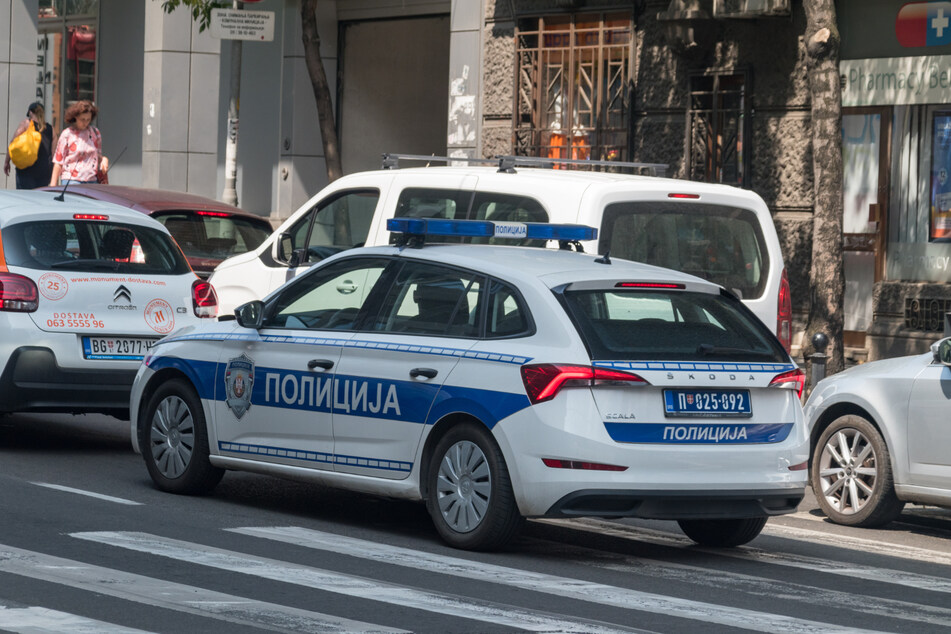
(24, 148)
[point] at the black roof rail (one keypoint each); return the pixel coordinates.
(509, 163)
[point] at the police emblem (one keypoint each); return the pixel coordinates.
(239, 379)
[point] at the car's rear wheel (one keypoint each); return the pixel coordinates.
(174, 440)
(852, 474)
(723, 533)
(470, 494)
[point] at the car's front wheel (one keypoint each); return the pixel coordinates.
(470, 495)
(723, 533)
(852, 474)
(174, 440)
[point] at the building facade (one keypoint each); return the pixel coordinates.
(716, 89)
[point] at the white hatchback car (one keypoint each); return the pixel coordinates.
(881, 437)
(86, 288)
(493, 382)
(720, 233)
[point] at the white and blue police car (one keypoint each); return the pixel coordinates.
(493, 382)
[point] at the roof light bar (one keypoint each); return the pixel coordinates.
(490, 229)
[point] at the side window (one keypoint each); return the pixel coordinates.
(329, 299)
(335, 225)
(506, 315)
(431, 300)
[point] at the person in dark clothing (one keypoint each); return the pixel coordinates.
(38, 174)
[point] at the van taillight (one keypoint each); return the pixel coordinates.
(544, 380)
(204, 299)
(18, 294)
(784, 313)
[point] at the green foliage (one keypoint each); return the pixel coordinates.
(201, 9)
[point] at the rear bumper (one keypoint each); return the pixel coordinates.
(677, 505)
(33, 381)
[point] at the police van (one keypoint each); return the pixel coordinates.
(720, 233)
(492, 382)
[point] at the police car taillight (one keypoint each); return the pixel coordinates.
(204, 299)
(792, 380)
(544, 380)
(18, 294)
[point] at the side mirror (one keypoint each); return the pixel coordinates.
(942, 351)
(285, 247)
(250, 315)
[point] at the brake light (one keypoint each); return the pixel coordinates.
(216, 214)
(784, 313)
(204, 299)
(649, 285)
(90, 217)
(585, 466)
(691, 196)
(544, 380)
(792, 380)
(18, 293)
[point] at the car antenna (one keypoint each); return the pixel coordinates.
(62, 194)
(604, 259)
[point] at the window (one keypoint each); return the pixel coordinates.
(718, 128)
(335, 225)
(431, 300)
(573, 94)
(67, 47)
(507, 316)
(328, 299)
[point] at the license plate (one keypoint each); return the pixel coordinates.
(707, 403)
(113, 348)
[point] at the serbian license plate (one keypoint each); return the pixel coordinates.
(707, 403)
(113, 348)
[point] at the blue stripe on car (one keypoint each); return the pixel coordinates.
(698, 433)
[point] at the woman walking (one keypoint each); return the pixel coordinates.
(38, 174)
(78, 157)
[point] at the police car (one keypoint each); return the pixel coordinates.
(495, 383)
(86, 288)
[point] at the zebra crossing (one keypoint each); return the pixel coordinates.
(624, 608)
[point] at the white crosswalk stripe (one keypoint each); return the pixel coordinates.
(176, 596)
(350, 585)
(36, 620)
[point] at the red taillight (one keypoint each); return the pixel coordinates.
(18, 294)
(784, 313)
(663, 285)
(216, 214)
(542, 381)
(204, 299)
(90, 217)
(586, 466)
(792, 380)
(690, 196)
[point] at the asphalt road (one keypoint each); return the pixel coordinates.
(88, 545)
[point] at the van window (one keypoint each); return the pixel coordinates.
(335, 225)
(718, 243)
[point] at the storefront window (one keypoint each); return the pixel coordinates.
(574, 86)
(66, 55)
(940, 228)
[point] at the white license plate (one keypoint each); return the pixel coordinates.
(111, 348)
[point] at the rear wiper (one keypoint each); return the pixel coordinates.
(92, 264)
(708, 349)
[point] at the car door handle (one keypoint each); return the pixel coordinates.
(324, 364)
(429, 373)
(346, 287)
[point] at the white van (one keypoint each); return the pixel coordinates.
(717, 232)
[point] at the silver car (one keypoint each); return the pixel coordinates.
(881, 437)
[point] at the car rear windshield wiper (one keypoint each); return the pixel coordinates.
(709, 350)
(90, 264)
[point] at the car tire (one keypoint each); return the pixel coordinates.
(849, 493)
(174, 439)
(470, 497)
(723, 533)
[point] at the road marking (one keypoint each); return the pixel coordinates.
(871, 573)
(540, 582)
(858, 543)
(350, 585)
(175, 596)
(98, 496)
(37, 620)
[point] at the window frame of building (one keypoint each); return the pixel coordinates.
(709, 155)
(585, 112)
(57, 21)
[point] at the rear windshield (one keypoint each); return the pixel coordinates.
(92, 246)
(213, 235)
(629, 324)
(722, 244)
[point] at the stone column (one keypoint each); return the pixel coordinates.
(180, 124)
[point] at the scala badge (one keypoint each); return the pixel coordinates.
(239, 379)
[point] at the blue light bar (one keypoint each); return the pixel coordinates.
(490, 229)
